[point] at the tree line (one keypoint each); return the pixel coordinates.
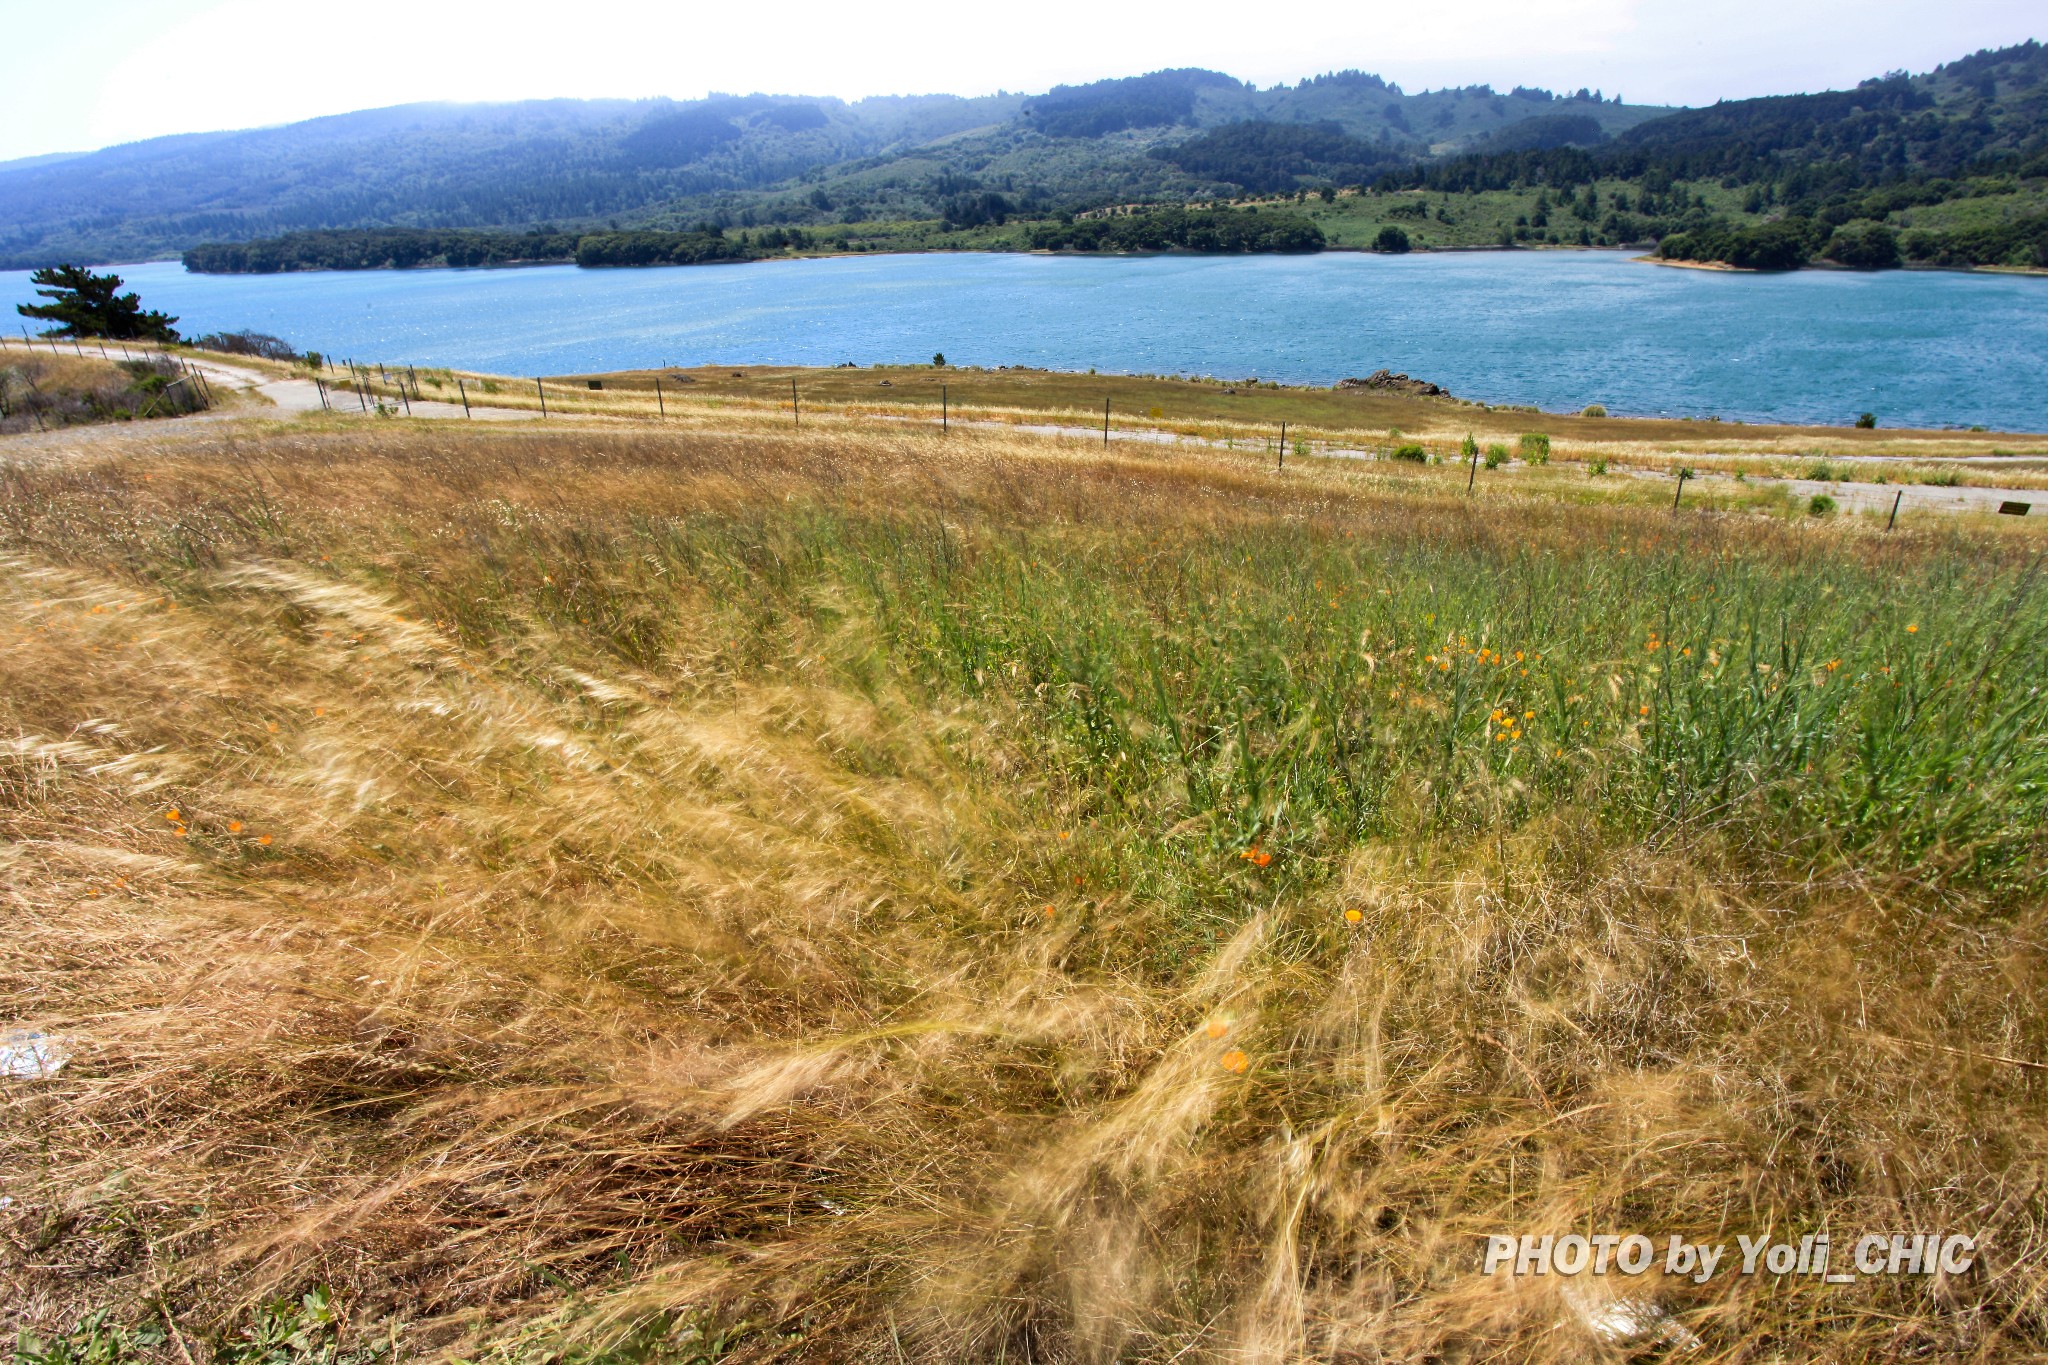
(1175, 228)
(379, 249)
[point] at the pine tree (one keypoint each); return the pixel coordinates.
(85, 305)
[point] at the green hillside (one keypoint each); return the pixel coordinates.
(1945, 168)
(734, 161)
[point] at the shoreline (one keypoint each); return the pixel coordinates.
(1718, 267)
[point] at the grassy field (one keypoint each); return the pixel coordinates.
(610, 892)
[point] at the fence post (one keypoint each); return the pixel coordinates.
(660, 407)
(1283, 449)
(796, 411)
(459, 388)
(943, 428)
(1897, 498)
(1683, 475)
(543, 399)
(1105, 421)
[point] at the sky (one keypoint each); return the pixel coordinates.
(204, 65)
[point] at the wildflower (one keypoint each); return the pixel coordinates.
(1642, 710)
(1235, 1060)
(1913, 630)
(234, 826)
(1528, 715)
(1353, 915)
(1217, 1028)
(172, 815)
(263, 839)
(1048, 912)
(1064, 834)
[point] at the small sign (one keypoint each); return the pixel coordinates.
(597, 383)
(2014, 509)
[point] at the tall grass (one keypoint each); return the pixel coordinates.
(860, 897)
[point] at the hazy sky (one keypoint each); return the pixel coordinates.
(89, 73)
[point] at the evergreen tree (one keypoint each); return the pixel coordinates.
(85, 305)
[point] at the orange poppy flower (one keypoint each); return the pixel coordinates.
(1217, 1028)
(1354, 915)
(1235, 1060)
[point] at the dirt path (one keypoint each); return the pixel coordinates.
(293, 397)
(290, 396)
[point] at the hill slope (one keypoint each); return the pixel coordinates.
(734, 159)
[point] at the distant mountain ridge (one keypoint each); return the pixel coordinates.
(664, 163)
(787, 164)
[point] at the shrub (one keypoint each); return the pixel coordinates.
(1820, 505)
(1866, 421)
(1496, 456)
(1413, 453)
(1865, 246)
(1391, 240)
(1535, 447)
(247, 343)
(1593, 410)
(1596, 466)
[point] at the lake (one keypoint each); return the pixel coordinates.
(1559, 329)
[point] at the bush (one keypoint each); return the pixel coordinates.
(1865, 246)
(1866, 421)
(1535, 447)
(1784, 245)
(1596, 466)
(1593, 410)
(247, 343)
(1496, 456)
(1412, 453)
(1820, 505)
(1391, 240)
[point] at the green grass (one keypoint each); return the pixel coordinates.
(632, 893)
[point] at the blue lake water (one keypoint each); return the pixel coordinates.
(1559, 329)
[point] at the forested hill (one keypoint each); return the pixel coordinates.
(743, 161)
(1946, 167)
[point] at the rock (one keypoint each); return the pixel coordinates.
(1390, 382)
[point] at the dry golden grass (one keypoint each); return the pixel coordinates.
(537, 884)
